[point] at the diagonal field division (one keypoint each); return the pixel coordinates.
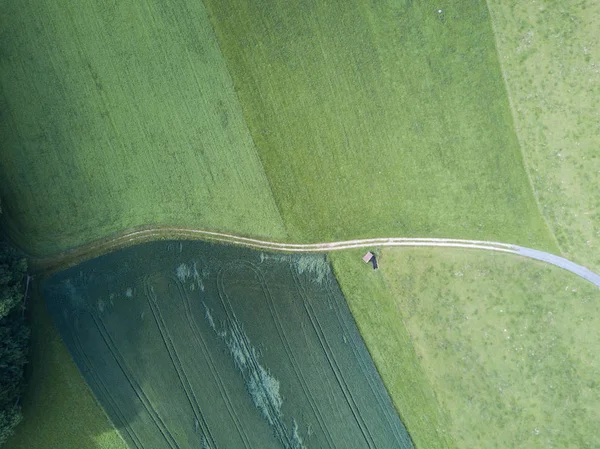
(195, 344)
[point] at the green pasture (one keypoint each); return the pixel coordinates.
(115, 115)
(206, 345)
(380, 118)
(60, 411)
(550, 54)
(508, 346)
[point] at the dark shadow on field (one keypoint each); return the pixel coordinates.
(59, 409)
(191, 344)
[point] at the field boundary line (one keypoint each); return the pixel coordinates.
(331, 360)
(129, 238)
(137, 389)
(244, 116)
(103, 391)
(517, 133)
(357, 341)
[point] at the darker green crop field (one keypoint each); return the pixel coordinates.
(213, 346)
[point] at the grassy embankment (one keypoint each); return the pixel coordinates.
(510, 346)
(550, 54)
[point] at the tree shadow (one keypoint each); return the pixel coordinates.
(59, 409)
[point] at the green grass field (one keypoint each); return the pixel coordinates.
(60, 411)
(367, 119)
(314, 121)
(216, 346)
(509, 346)
(550, 53)
(117, 115)
(380, 119)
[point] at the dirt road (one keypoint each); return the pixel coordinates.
(69, 258)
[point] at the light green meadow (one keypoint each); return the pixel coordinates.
(509, 346)
(550, 55)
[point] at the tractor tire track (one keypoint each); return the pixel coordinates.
(280, 430)
(289, 352)
(139, 392)
(333, 363)
(176, 362)
(199, 339)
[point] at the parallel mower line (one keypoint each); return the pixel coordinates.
(296, 366)
(201, 343)
(331, 360)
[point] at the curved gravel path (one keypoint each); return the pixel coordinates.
(131, 237)
(561, 262)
